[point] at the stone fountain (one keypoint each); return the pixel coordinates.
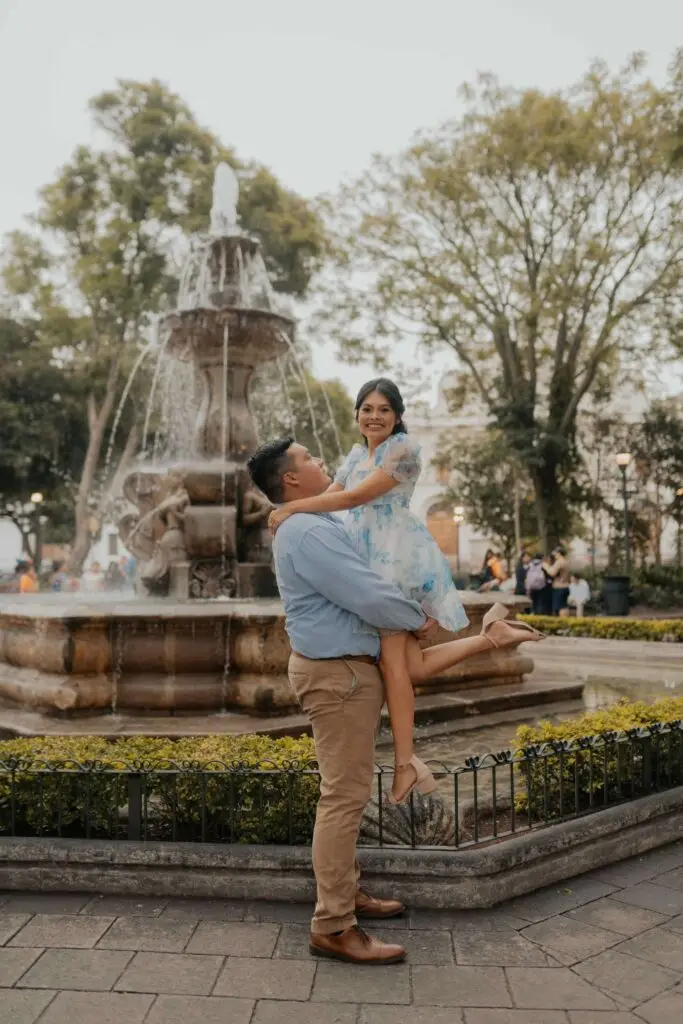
(199, 527)
(206, 634)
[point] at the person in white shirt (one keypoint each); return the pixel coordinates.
(579, 594)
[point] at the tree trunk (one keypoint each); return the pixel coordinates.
(97, 422)
(549, 505)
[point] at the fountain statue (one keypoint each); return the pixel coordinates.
(199, 530)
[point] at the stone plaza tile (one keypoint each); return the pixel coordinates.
(595, 1017)
(423, 947)
(633, 980)
(480, 1016)
(675, 924)
(170, 974)
(640, 869)
(670, 879)
(279, 1012)
(351, 983)
(460, 986)
(205, 910)
(652, 897)
(558, 899)
(554, 988)
(625, 919)
(62, 931)
(234, 938)
(22, 1006)
(279, 913)
(374, 1014)
(124, 906)
(100, 1007)
(660, 945)
(90, 970)
(666, 1008)
(255, 978)
(499, 949)
(14, 963)
(465, 920)
(10, 925)
(199, 1010)
(148, 934)
(45, 902)
(573, 938)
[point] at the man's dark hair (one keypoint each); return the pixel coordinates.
(267, 466)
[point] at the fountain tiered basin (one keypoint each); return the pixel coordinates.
(61, 657)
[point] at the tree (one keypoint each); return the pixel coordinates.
(42, 431)
(101, 261)
(657, 444)
(538, 239)
(488, 482)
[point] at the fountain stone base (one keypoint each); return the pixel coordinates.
(67, 657)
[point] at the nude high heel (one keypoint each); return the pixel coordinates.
(495, 613)
(509, 634)
(424, 780)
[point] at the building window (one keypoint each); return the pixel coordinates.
(113, 542)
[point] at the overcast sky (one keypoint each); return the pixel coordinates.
(309, 87)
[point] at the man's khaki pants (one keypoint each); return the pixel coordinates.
(343, 699)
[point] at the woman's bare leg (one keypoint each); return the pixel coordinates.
(400, 695)
(401, 703)
(434, 660)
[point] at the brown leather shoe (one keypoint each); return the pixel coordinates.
(370, 907)
(355, 946)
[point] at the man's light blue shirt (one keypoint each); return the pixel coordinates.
(331, 595)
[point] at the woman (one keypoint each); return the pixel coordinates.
(375, 484)
(521, 570)
(560, 574)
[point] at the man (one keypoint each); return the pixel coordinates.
(330, 596)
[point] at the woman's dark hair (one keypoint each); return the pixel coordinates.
(393, 396)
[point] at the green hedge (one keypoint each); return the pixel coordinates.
(597, 775)
(197, 803)
(664, 630)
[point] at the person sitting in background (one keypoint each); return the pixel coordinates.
(494, 574)
(92, 580)
(28, 580)
(579, 593)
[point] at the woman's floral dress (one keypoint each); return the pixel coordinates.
(394, 541)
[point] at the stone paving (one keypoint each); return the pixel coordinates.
(605, 948)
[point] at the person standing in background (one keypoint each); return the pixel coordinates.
(560, 574)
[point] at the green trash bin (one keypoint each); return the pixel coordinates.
(615, 593)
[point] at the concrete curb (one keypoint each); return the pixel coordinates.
(429, 878)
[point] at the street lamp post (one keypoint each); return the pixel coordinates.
(38, 520)
(679, 524)
(623, 462)
(458, 519)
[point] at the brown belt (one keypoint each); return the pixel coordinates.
(367, 659)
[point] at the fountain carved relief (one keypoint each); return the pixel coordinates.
(199, 527)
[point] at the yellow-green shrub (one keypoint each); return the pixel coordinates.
(215, 795)
(663, 630)
(591, 773)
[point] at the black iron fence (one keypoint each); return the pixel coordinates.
(488, 798)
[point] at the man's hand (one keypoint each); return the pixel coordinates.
(426, 631)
